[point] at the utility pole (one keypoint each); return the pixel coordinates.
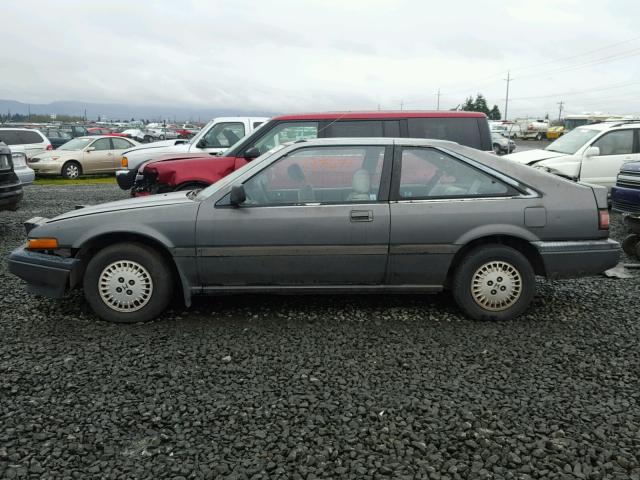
(401, 103)
(29, 110)
(560, 108)
(438, 107)
(506, 100)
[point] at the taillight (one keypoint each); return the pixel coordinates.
(603, 219)
(49, 147)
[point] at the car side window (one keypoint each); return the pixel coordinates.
(223, 135)
(349, 174)
(27, 137)
(429, 173)
(120, 144)
(618, 142)
(101, 144)
(286, 132)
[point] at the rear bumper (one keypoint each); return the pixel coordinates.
(10, 195)
(578, 258)
(26, 175)
(625, 200)
(46, 275)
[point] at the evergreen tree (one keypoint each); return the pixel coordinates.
(495, 114)
(481, 104)
(468, 105)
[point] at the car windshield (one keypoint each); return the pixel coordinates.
(231, 177)
(76, 144)
(571, 142)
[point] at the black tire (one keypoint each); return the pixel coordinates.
(630, 243)
(148, 138)
(154, 271)
(496, 149)
(479, 259)
(539, 136)
(71, 170)
(162, 137)
(189, 186)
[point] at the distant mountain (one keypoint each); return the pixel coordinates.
(115, 111)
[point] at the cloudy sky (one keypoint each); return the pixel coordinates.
(294, 55)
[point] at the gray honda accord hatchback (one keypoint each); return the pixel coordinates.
(335, 215)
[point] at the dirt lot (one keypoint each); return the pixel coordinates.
(384, 386)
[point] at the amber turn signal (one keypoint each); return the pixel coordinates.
(42, 243)
(124, 161)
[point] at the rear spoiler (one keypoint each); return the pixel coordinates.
(600, 193)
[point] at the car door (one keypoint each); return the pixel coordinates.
(118, 145)
(437, 199)
(98, 156)
(616, 147)
(318, 216)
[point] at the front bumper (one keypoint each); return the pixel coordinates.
(625, 200)
(46, 168)
(47, 275)
(578, 258)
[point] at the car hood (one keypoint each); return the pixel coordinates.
(165, 146)
(631, 167)
(530, 157)
(565, 166)
(128, 204)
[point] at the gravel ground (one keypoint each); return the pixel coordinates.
(310, 387)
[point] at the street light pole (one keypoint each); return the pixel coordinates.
(506, 100)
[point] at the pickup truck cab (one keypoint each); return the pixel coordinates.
(466, 128)
(218, 135)
(591, 153)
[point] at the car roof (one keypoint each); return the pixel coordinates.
(357, 141)
(387, 114)
(609, 125)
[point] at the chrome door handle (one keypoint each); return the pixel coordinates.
(361, 215)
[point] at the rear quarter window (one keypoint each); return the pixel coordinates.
(465, 131)
(29, 137)
(10, 137)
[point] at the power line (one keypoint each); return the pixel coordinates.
(609, 87)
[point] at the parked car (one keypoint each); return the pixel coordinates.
(330, 216)
(467, 128)
(501, 143)
(56, 136)
(32, 141)
(591, 153)
(508, 129)
(74, 130)
(10, 186)
(625, 194)
(95, 154)
(218, 135)
(20, 167)
(554, 132)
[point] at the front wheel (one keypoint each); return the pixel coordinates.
(128, 283)
(71, 170)
(494, 282)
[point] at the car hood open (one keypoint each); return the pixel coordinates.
(530, 157)
(128, 204)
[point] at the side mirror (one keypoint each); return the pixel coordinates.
(202, 143)
(238, 195)
(90, 149)
(592, 152)
(251, 153)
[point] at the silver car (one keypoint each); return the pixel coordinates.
(333, 215)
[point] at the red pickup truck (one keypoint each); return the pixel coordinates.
(189, 172)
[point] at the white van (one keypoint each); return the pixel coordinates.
(31, 141)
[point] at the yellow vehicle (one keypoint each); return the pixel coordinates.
(555, 132)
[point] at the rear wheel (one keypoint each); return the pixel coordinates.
(71, 170)
(539, 136)
(496, 149)
(630, 244)
(128, 283)
(494, 282)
